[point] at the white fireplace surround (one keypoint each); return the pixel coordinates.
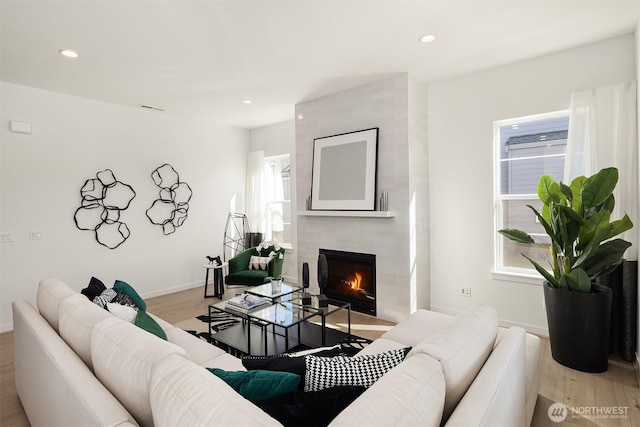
(398, 238)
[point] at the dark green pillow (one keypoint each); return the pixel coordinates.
(121, 286)
(146, 322)
(258, 385)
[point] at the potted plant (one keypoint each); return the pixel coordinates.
(577, 219)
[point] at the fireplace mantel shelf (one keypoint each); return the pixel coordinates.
(353, 214)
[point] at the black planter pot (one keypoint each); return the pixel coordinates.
(579, 325)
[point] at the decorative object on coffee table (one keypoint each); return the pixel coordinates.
(276, 284)
(305, 297)
(323, 277)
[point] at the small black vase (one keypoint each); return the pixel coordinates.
(579, 325)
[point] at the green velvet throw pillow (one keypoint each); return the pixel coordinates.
(121, 286)
(258, 385)
(146, 322)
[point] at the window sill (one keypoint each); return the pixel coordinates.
(528, 279)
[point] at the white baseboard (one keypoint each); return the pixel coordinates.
(533, 329)
(172, 290)
(7, 327)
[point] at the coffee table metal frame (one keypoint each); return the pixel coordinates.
(284, 315)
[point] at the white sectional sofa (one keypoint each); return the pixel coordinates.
(77, 365)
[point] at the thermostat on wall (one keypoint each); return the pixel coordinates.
(19, 127)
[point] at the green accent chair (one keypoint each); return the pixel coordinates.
(239, 273)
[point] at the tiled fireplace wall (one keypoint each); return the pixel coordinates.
(397, 106)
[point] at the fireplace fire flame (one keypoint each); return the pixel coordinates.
(355, 283)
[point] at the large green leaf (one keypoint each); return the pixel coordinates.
(576, 190)
(592, 247)
(576, 280)
(598, 188)
(549, 190)
(570, 214)
(544, 223)
(566, 190)
(598, 221)
(620, 226)
(572, 223)
(559, 224)
(608, 255)
(516, 235)
(608, 204)
(554, 282)
(544, 213)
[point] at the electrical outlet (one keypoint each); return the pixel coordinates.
(465, 292)
(35, 235)
(6, 236)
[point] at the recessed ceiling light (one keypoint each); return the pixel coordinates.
(68, 53)
(247, 101)
(428, 38)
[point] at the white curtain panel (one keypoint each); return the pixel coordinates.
(254, 192)
(272, 192)
(603, 133)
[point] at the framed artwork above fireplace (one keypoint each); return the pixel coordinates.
(344, 171)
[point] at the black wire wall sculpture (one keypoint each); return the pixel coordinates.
(103, 198)
(171, 209)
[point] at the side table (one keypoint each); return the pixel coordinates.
(218, 279)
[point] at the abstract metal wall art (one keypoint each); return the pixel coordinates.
(171, 209)
(103, 198)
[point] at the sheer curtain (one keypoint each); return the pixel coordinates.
(254, 192)
(273, 193)
(603, 133)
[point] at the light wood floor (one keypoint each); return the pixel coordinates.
(618, 387)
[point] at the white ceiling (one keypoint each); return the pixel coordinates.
(203, 58)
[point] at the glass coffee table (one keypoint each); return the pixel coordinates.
(331, 306)
(274, 292)
(277, 328)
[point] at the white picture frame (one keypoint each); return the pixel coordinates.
(344, 171)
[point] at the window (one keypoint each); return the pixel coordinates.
(526, 148)
(277, 172)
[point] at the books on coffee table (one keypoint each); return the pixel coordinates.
(246, 302)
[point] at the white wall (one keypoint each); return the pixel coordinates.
(74, 138)
(461, 116)
(275, 140)
(419, 248)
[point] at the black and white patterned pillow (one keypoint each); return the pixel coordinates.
(124, 299)
(322, 372)
(106, 296)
